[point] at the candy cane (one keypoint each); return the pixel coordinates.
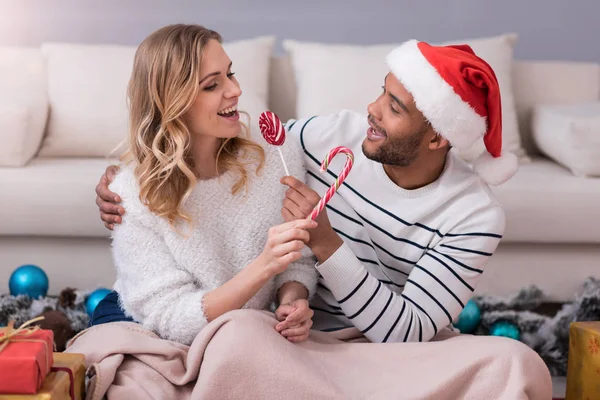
(339, 180)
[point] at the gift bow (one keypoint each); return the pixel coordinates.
(23, 330)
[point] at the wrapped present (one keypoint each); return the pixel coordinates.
(57, 386)
(583, 369)
(66, 380)
(74, 365)
(26, 356)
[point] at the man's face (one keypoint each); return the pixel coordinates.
(398, 128)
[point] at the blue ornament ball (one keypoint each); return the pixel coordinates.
(94, 298)
(506, 329)
(29, 280)
(468, 318)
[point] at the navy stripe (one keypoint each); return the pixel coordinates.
(353, 238)
(355, 289)
(390, 283)
(335, 329)
(319, 284)
(344, 215)
(366, 260)
(318, 178)
(409, 326)
(494, 235)
(292, 125)
(421, 308)
(482, 253)
(396, 323)
(458, 262)
(332, 306)
(367, 303)
(394, 256)
(441, 283)
(451, 270)
(396, 238)
(380, 314)
(372, 247)
(327, 311)
(432, 298)
(333, 208)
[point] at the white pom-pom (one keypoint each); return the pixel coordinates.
(496, 170)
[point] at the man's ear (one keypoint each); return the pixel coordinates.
(437, 142)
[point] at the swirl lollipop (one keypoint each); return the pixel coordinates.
(273, 131)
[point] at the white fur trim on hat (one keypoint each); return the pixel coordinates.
(496, 170)
(449, 115)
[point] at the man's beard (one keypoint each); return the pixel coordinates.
(400, 152)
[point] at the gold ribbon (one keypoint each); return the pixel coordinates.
(24, 330)
(21, 334)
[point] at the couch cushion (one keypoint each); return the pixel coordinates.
(87, 86)
(545, 202)
(554, 83)
(23, 104)
(570, 135)
(53, 197)
(332, 77)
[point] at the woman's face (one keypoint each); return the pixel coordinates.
(214, 112)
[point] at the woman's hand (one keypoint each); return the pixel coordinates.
(295, 320)
(299, 202)
(284, 244)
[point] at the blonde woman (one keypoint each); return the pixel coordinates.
(202, 232)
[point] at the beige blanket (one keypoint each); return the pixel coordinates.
(241, 356)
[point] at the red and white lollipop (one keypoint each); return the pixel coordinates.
(273, 131)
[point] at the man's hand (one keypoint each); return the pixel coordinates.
(108, 201)
(298, 204)
(296, 320)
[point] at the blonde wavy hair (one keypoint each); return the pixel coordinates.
(163, 86)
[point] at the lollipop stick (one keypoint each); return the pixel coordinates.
(283, 161)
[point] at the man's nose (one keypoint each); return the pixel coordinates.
(374, 110)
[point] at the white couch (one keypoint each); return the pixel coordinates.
(62, 110)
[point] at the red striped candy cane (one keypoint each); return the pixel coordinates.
(338, 182)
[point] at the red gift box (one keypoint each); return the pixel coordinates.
(25, 357)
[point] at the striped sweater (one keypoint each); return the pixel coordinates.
(411, 258)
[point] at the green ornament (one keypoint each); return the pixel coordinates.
(506, 329)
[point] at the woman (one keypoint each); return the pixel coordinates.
(202, 232)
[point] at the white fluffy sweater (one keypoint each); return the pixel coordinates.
(162, 276)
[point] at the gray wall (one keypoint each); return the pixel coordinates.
(548, 29)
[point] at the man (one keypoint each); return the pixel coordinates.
(407, 236)
(412, 227)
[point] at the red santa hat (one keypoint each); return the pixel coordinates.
(458, 93)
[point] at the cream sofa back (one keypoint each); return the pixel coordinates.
(80, 90)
